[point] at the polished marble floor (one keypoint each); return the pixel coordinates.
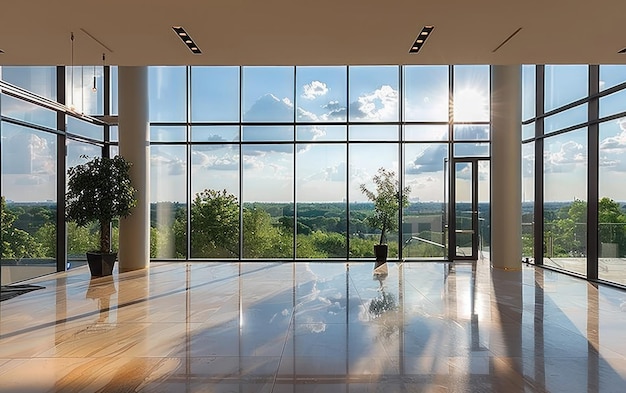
(314, 327)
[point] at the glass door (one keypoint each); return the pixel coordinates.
(463, 231)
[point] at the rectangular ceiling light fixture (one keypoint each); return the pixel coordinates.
(421, 39)
(182, 34)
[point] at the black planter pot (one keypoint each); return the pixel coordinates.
(380, 250)
(101, 264)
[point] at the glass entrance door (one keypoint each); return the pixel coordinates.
(464, 220)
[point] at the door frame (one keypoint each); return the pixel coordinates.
(452, 230)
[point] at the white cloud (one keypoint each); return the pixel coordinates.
(314, 89)
(304, 115)
(382, 104)
(570, 155)
(616, 144)
(253, 162)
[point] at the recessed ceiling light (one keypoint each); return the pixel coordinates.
(421, 39)
(182, 34)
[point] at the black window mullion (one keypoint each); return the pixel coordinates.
(593, 157)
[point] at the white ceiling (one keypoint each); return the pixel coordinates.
(312, 32)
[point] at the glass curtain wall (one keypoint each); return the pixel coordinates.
(579, 130)
(29, 177)
(32, 167)
(272, 160)
(612, 174)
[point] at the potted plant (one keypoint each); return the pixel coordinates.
(387, 199)
(100, 190)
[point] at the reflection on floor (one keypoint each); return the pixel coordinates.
(314, 327)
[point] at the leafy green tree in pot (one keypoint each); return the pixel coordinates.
(387, 199)
(100, 190)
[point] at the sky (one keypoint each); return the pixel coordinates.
(323, 167)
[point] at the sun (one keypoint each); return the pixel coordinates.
(470, 105)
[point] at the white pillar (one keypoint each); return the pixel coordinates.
(134, 142)
(506, 172)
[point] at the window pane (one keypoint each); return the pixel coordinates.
(79, 88)
(564, 84)
(168, 134)
(268, 94)
(114, 133)
(40, 80)
(321, 94)
(374, 133)
(215, 201)
(114, 91)
(611, 210)
(612, 75)
(29, 203)
(168, 197)
(529, 91)
(423, 220)
(268, 218)
(321, 133)
(528, 131)
(365, 161)
(471, 149)
(568, 118)
(25, 111)
(215, 167)
(528, 200)
(322, 210)
(471, 132)
(80, 240)
(215, 133)
(613, 104)
(373, 93)
(426, 132)
(168, 93)
(215, 94)
(471, 93)
(267, 133)
(565, 206)
(83, 128)
(426, 93)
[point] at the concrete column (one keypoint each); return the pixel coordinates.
(506, 159)
(134, 140)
